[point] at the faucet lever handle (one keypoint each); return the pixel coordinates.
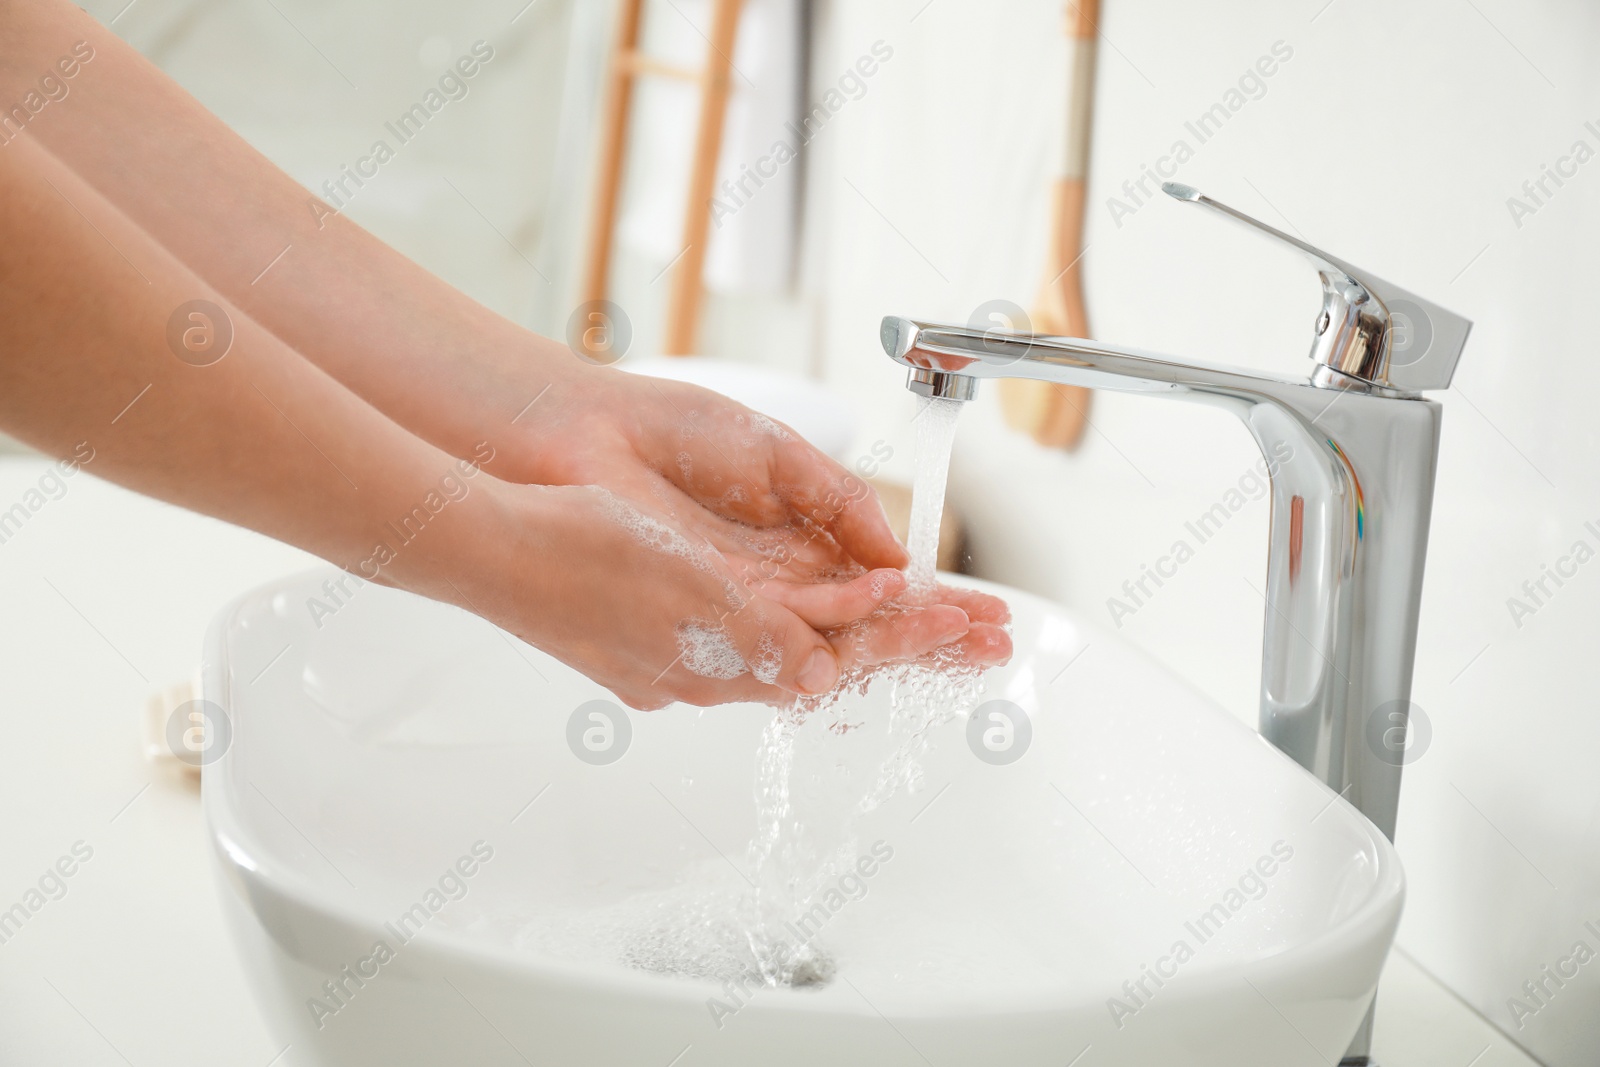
(1369, 329)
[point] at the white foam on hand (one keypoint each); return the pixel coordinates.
(707, 650)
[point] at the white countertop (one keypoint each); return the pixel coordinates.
(104, 598)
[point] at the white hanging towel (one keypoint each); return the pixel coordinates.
(754, 202)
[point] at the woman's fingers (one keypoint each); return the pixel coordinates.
(826, 605)
(691, 436)
(776, 633)
(895, 636)
(840, 502)
(980, 607)
(986, 645)
(790, 549)
(712, 626)
(778, 551)
(863, 531)
(781, 649)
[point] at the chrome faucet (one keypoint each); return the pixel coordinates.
(1353, 449)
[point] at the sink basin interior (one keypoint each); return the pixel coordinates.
(373, 751)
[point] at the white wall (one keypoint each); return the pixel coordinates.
(1392, 137)
(311, 85)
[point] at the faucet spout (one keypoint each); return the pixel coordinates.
(934, 353)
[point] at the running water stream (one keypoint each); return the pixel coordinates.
(936, 434)
(921, 697)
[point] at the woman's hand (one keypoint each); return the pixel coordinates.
(749, 484)
(782, 515)
(656, 614)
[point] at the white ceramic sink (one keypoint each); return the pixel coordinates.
(1021, 909)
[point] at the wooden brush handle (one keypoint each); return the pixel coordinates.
(1055, 415)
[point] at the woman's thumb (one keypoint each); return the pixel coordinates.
(781, 649)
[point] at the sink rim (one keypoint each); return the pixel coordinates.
(242, 859)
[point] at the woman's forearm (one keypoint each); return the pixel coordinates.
(113, 352)
(435, 361)
(94, 362)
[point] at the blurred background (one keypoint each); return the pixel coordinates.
(1397, 136)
